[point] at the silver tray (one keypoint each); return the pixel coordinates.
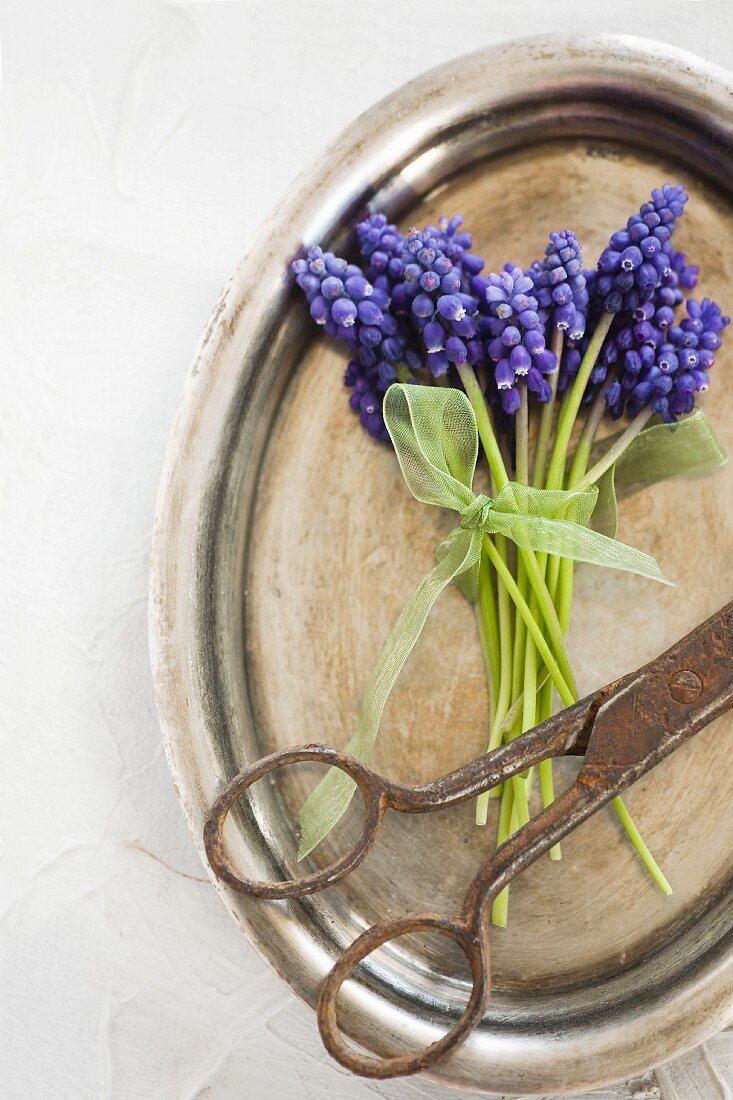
(285, 544)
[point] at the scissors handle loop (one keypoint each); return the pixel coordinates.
(475, 945)
(368, 782)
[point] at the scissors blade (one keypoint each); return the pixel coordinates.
(644, 717)
(634, 724)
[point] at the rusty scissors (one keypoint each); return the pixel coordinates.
(622, 731)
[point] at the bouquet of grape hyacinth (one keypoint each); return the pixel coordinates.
(530, 363)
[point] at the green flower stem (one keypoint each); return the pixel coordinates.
(565, 424)
(521, 466)
(547, 791)
(542, 709)
(488, 624)
(547, 784)
(544, 432)
(561, 579)
(545, 602)
(529, 559)
(563, 590)
(487, 621)
(521, 640)
(522, 644)
(500, 478)
(557, 567)
(514, 714)
(529, 719)
(593, 419)
(564, 691)
(535, 705)
(520, 794)
(539, 475)
(636, 839)
(561, 571)
(508, 824)
(521, 425)
(614, 453)
(499, 549)
(503, 639)
(520, 786)
(521, 681)
(529, 702)
(555, 478)
(484, 425)
(571, 405)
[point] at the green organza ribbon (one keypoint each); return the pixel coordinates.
(436, 441)
(685, 449)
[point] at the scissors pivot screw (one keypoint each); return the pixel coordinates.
(685, 686)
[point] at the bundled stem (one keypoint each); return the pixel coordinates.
(534, 616)
(528, 557)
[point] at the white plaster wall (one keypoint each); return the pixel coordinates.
(143, 142)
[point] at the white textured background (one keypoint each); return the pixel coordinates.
(143, 142)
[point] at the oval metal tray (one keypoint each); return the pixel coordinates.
(285, 545)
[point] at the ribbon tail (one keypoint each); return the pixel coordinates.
(571, 540)
(686, 449)
(330, 799)
(605, 516)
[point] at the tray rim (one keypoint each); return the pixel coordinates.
(342, 171)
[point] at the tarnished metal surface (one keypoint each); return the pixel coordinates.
(626, 729)
(285, 544)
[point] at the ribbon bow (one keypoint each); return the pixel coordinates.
(436, 441)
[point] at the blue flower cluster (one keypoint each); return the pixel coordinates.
(513, 335)
(354, 311)
(638, 257)
(664, 369)
(420, 300)
(348, 306)
(639, 332)
(431, 293)
(560, 284)
(381, 247)
(456, 243)
(368, 388)
(414, 291)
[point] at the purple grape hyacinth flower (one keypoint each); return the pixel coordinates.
(639, 257)
(431, 295)
(655, 316)
(381, 246)
(351, 309)
(664, 371)
(513, 335)
(560, 284)
(367, 397)
(456, 243)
